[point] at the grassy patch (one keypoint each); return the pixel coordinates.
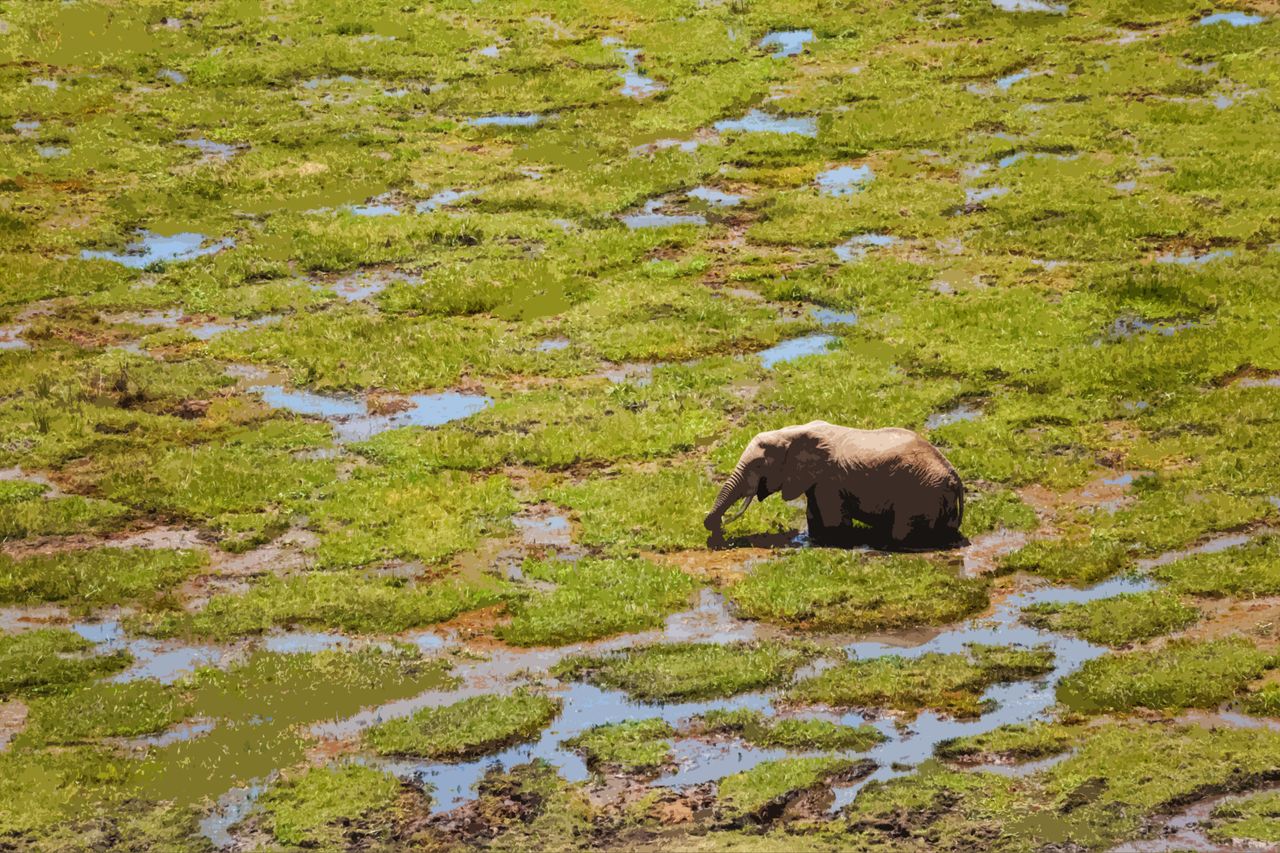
(1180, 674)
(96, 576)
(675, 671)
(634, 745)
(50, 660)
(1252, 819)
(330, 806)
(1249, 570)
(1117, 621)
(1063, 561)
(950, 683)
(472, 727)
(660, 510)
(789, 732)
(128, 709)
(751, 792)
(595, 598)
(1019, 742)
(834, 590)
(23, 514)
(996, 510)
(347, 601)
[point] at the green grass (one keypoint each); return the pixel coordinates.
(1246, 571)
(676, 671)
(51, 660)
(471, 727)
(347, 601)
(632, 746)
(1076, 562)
(1181, 674)
(97, 711)
(1118, 621)
(662, 510)
(1252, 819)
(1018, 742)
(950, 683)
(789, 732)
(830, 590)
(747, 794)
(595, 598)
(1003, 509)
(96, 576)
(329, 806)
(24, 513)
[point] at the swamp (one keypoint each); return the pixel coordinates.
(367, 369)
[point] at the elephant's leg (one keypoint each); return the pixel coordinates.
(825, 512)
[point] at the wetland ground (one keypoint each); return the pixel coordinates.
(366, 370)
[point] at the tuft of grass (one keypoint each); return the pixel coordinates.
(330, 807)
(471, 727)
(1264, 702)
(633, 745)
(96, 576)
(50, 660)
(348, 601)
(833, 590)
(1063, 561)
(950, 683)
(1250, 570)
(595, 598)
(1002, 509)
(672, 671)
(750, 793)
(1117, 621)
(1181, 674)
(789, 732)
(1018, 742)
(23, 514)
(96, 711)
(1251, 819)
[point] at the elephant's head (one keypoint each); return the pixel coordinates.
(784, 460)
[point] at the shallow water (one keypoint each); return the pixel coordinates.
(11, 337)
(758, 121)
(843, 180)
(858, 245)
(962, 412)
(151, 248)
(651, 216)
(444, 198)
(795, 348)
(634, 83)
(512, 120)
(1030, 6)
(212, 150)
(714, 197)
(552, 345)
(1192, 259)
(786, 42)
(831, 317)
(352, 420)
(1235, 19)
(366, 284)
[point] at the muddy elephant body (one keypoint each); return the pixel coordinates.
(891, 479)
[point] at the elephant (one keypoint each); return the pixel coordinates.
(891, 479)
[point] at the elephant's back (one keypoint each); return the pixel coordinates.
(902, 451)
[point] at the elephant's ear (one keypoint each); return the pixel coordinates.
(803, 466)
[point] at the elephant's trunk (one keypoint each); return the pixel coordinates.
(728, 495)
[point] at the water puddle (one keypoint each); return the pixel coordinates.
(1128, 327)
(1006, 82)
(1186, 832)
(831, 317)
(50, 152)
(1211, 546)
(634, 83)
(45, 83)
(326, 82)
(552, 345)
(974, 196)
(444, 198)
(1018, 156)
(200, 329)
(962, 412)
(11, 337)
(857, 246)
(1235, 19)
(1191, 259)
(26, 129)
(14, 474)
(231, 808)
(163, 661)
(844, 180)
(13, 717)
(1258, 382)
(184, 731)
(758, 121)
(380, 205)
(151, 248)
(1030, 6)
(175, 77)
(652, 216)
(714, 197)
(544, 529)
(353, 420)
(366, 284)
(636, 372)
(795, 348)
(786, 42)
(511, 120)
(493, 51)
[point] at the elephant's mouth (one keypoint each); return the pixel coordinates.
(762, 490)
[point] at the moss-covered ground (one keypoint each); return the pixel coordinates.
(367, 369)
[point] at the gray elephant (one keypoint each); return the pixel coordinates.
(891, 479)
